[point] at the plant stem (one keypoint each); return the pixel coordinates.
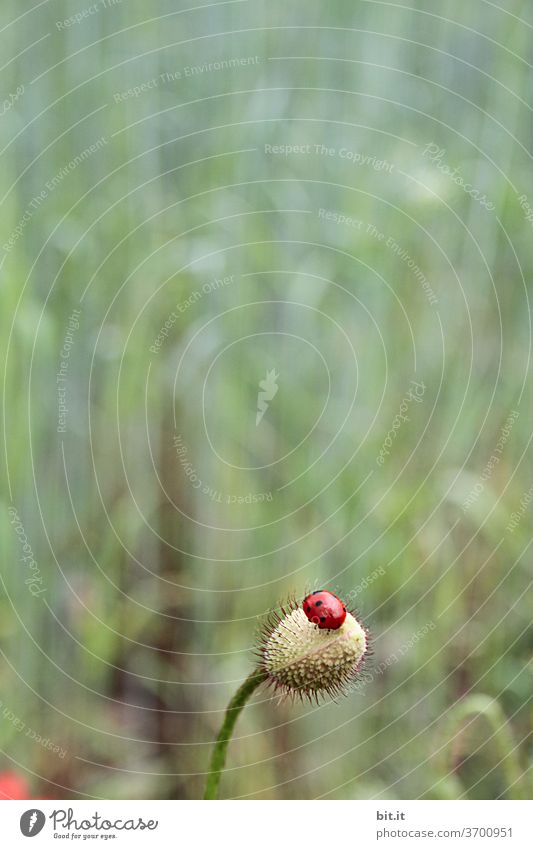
(502, 737)
(218, 756)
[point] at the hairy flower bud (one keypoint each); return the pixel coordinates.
(302, 660)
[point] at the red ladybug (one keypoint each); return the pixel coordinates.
(324, 609)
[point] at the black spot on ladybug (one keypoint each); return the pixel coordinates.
(318, 603)
(322, 618)
(344, 609)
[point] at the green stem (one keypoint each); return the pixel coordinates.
(218, 756)
(502, 738)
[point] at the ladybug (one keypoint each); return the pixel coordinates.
(324, 609)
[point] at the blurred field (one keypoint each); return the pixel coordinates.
(162, 521)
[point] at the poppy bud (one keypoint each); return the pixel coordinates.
(301, 659)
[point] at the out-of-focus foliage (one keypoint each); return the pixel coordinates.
(162, 519)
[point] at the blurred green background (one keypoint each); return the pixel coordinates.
(141, 187)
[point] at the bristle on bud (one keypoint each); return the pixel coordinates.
(300, 659)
